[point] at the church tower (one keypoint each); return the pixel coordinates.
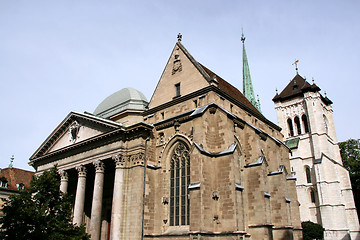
(323, 184)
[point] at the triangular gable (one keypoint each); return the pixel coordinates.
(182, 69)
(76, 127)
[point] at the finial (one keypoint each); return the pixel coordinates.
(313, 80)
(179, 37)
(11, 161)
(276, 90)
(296, 67)
(242, 36)
(325, 93)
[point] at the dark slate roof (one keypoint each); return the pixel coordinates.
(231, 90)
(297, 87)
(16, 176)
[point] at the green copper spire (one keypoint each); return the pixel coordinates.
(248, 90)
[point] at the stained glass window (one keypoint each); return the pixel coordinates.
(179, 181)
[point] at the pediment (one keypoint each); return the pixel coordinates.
(75, 128)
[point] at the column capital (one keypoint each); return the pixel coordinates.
(63, 175)
(81, 170)
(99, 166)
(119, 160)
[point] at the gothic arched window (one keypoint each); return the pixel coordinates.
(308, 176)
(297, 122)
(179, 182)
(305, 122)
(291, 129)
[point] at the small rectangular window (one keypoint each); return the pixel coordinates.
(177, 89)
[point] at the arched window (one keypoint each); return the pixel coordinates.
(305, 122)
(179, 182)
(291, 129)
(3, 182)
(297, 123)
(308, 176)
(312, 196)
(326, 123)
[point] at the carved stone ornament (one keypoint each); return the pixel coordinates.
(63, 175)
(177, 66)
(99, 166)
(81, 170)
(176, 125)
(74, 131)
(165, 200)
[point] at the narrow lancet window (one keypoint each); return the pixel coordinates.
(312, 196)
(297, 122)
(305, 122)
(179, 181)
(291, 129)
(308, 176)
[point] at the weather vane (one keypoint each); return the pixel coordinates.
(296, 67)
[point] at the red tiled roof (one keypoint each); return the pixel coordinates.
(231, 90)
(15, 176)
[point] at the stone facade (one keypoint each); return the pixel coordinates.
(216, 168)
(323, 184)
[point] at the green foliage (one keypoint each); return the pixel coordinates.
(40, 212)
(350, 154)
(312, 230)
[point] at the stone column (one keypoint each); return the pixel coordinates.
(63, 181)
(80, 196)
(95, 223)
(115, 228)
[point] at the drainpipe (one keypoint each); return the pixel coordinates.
(143, 202)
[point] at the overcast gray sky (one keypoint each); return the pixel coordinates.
(62, 56)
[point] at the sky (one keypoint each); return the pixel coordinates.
(63, 56)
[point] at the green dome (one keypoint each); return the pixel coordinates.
(125, 99)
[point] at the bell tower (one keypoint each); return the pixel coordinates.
(323, 184)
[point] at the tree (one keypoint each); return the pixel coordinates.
(312, 231)
(40, 212)
(350, 154)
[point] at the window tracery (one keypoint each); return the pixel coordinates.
(179, 181)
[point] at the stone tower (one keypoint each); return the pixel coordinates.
(323, 184)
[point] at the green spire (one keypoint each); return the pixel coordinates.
(248, 90)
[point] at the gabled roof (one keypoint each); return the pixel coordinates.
(231, 90)
(103, 124)
(15, 176)
(296, 87)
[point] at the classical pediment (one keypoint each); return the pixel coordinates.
(75, 128)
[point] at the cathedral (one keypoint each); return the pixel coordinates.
(323, 184)
(197, 161)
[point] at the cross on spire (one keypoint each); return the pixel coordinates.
(179, 37)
